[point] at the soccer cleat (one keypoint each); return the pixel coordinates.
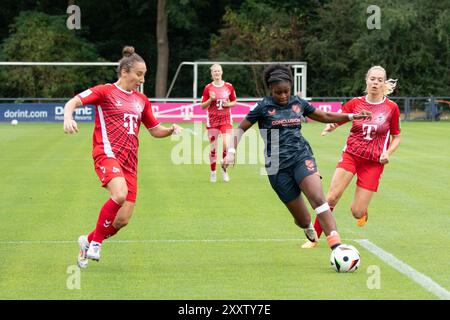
(82, 260)
(225, 176)
(213, 177)
(311, 234)
(93, 252)
(309, 244)
(362, 221)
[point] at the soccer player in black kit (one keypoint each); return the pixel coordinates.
(290, 163)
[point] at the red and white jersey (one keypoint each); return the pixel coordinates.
(224, 93)
(369, 138)
(118, 117)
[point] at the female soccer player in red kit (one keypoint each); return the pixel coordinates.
(370, 144)
(120, 110)
(218, 97)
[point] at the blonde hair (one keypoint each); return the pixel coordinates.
(389, 85)
(215, 65)
(129, 57)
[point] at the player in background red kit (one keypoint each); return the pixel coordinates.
(370, 144)
(120, 110)
(218, 97)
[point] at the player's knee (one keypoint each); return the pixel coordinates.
(317, 201)
(119, 196)
(357, 212)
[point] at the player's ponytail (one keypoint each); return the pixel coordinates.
(389, 86)
(128, 59)
(127, 51)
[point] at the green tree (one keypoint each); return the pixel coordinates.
(412, 43)
(111, 25)
(162, 66)
(330, 37)
(190, 25)
(257, 32)
(36, 36)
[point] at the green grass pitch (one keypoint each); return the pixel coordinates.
(190, 239)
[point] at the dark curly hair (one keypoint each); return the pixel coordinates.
(277, 73)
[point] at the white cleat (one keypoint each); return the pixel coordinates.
(313, 239)
(213, 177)
(311, 234)
(82, 260)
(93, 252)
(225, 176)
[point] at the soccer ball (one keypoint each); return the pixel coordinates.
(345, 258)
(14, 122)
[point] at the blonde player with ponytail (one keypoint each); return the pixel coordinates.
(368, 147)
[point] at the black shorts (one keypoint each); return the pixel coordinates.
(286, 181)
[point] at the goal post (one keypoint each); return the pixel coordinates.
(299, 73)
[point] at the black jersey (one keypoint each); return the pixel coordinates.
(280, 127)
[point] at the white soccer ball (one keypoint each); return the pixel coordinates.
(14, 122)
(345, 258)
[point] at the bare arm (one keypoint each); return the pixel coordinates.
(230, 104)
(332, 117)
(328, 128)
(239, 132)
(70, 125)
(162, 132)
(207, 103)
(395, 142)
(235, 138)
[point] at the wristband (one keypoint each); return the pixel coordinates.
(350, 116)
(231, 150)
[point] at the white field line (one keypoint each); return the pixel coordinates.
(424, 281)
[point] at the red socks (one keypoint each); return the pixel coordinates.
(317, 226)
(212, 160)
(224, 154)
(104, 228)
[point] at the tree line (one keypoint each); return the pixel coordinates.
(337, 39)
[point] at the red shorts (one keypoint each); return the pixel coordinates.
(223, 129)
(213, 132)
(108, 168)
(368, 172)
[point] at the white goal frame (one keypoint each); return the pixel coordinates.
(299, 67)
